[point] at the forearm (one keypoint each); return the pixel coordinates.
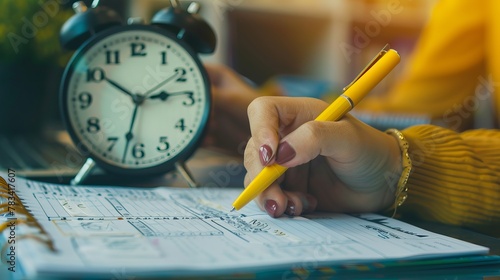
(456, 176)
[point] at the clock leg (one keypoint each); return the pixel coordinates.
(84, 172)
(183, 170)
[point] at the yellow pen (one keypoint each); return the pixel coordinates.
(352, 94)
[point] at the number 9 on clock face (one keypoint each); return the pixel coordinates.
(135, 99)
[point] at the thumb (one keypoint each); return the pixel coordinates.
(358, 154)
(342, 141)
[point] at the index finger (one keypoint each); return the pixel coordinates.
(273, 117)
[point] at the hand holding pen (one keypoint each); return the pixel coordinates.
(333, 161)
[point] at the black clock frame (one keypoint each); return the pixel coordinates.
(161, 168)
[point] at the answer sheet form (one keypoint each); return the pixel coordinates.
(173, 231)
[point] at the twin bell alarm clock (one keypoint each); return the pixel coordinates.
(135, 98)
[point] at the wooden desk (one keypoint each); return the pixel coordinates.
(461, 233)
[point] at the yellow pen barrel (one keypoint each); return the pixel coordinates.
(336, 110)
(372, 76)
(265, 178)
(361, 87)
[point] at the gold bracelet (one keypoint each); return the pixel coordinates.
(402, 190)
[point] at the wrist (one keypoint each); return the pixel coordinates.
(397, 191)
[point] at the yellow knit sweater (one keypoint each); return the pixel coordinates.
(455, 178)
(456, 64)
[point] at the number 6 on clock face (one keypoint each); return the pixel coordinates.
(136, 99)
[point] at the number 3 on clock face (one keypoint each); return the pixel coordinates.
(135, 99)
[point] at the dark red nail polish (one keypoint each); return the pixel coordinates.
(265, 154)
(285, 153)
(271, 207)
(290, 208)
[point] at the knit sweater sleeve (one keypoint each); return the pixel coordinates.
(455, 178)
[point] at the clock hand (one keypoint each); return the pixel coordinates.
(177, 71)
(129, 135)
(165, 95)
(118, 86)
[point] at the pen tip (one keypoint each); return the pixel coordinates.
(232, 210)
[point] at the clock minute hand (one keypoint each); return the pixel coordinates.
(177, 71)
(118, 86)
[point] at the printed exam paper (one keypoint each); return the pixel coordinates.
(173, 231)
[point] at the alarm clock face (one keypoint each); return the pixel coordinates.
(135, 99)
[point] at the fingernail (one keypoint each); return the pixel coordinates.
(271, 207)
(265, 153)
(290, 208)
(284, 153)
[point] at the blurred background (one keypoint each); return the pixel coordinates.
(326, 40)
(321, 40)
(311, 47)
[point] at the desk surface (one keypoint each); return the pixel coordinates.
(461, 233)
(211, 168)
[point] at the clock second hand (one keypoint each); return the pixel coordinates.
(138, 99)
(129, 135)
